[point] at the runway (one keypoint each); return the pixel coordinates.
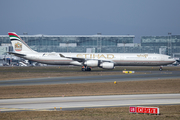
(81, 102)
(144, 75)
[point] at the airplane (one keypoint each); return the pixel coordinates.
(88, 60)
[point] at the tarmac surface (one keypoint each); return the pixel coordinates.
(144, 75)
(81, 102)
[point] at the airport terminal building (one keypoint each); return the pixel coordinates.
(73, 43)
(169, 45)
(96, 43)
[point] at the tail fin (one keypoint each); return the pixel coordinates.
(18, 44)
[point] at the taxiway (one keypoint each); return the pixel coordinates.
(147, 75)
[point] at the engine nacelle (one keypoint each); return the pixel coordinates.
(91, 63)
(107, 65)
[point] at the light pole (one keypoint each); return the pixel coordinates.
(124, 42)
(169, 44)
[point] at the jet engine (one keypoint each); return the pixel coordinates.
(107, 65)
(91, 63)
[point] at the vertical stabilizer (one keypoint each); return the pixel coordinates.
(18, 44)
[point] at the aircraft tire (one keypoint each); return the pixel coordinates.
(86, 69)
(89, 69)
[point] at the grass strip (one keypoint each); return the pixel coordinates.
(171, 112)
(86, 89)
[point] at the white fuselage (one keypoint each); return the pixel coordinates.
(119, 59)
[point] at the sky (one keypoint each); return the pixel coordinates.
(89, 17)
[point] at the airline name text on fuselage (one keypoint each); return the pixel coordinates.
(96, 56)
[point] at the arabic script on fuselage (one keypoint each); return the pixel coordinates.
(141, 55)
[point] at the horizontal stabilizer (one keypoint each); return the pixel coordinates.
(17, 54)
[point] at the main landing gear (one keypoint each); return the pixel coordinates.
(161, 68)
(85, 68)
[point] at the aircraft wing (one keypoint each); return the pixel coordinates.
(82, 59)
(17, 54)
(74, 58)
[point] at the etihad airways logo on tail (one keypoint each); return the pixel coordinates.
(18, 46)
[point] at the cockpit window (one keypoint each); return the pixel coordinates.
(169, 57)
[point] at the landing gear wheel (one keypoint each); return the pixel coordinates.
(86, 68)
